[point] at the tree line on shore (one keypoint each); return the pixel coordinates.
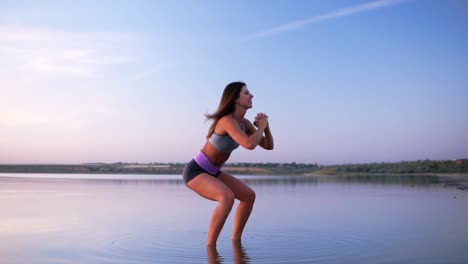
(292, 168)
(420, 166)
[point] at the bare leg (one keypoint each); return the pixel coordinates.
(246, 196)
(211, 188)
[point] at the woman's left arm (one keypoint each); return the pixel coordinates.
(267, 140)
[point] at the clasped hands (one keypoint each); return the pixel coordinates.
(261, 120)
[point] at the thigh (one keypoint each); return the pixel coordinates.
(241, 190)
(209, 187)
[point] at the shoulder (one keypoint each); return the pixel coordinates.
(226, 120)
(224, 124)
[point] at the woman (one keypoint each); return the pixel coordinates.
(203, 173)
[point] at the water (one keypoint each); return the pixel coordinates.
(60, 218)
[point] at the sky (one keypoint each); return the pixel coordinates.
(130, 81)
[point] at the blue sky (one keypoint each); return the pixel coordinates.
(342, 81)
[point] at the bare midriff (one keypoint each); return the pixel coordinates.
(216, 157)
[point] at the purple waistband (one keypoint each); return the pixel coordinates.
(202, 160)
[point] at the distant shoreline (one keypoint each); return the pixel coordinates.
(429, 167)
(450, 173)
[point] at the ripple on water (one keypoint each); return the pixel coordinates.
(307, 245)
(172, 245)
(149, 245)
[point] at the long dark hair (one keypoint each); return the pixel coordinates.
(227, 104)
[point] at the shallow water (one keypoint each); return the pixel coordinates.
(60, 218)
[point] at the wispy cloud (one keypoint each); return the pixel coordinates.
(47, 51)
(71, 119)
(19, 109)
(25, 116)
(334, 14)
(37, 62)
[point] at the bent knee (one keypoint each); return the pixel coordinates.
(227, 198)
(249, 197)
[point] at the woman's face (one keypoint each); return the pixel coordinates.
(245, 98)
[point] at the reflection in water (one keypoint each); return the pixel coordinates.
(290, 180)
(240, 255)
(213, 255)
(417, 180)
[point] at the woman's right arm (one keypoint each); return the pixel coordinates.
(247, 141)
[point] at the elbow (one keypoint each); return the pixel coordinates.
(250, 146)
(269, 147)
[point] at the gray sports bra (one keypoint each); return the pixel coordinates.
(224, 143)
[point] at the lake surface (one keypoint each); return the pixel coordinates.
(73, 218)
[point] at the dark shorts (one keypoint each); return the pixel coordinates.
(192, 170)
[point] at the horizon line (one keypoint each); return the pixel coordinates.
(334, 164)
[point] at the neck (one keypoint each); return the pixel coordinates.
(239, 113)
